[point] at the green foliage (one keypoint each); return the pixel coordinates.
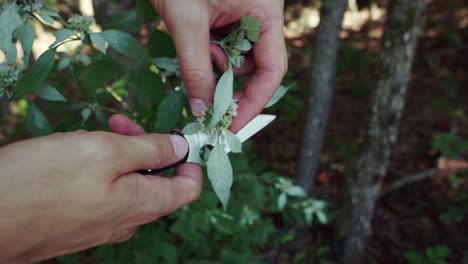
(433, 255)
(450, 145)
(111, 72)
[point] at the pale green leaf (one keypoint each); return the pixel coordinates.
(233, 142)
(48, 19)
(296, 191)
(62, 35)
(322, 217)
(191, 128)
(124, 44)
(282, 200)
(280, 92)
(244, 45)
(37, 74)
(49, 93)
(37, 122)
(220, 174)
(251, 27)
(98, 40)
(222, 97)
(9, 21)
(25, 34)
(85, 114)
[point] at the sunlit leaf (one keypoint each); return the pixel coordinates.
(251, 27)
(280, 92)
(191, 128)
(35, 77)
(62, 35)
(233, 142)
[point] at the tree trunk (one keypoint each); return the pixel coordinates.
(399, 43)
(321, 86)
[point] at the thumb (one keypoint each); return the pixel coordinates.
(149, 151)
(193, 50)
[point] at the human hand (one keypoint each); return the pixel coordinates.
(71, 191)
(190, 22)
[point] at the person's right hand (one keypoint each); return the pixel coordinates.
(71, 191)
(190, 22)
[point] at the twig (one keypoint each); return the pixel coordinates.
(407, 180)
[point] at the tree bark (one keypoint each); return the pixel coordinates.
(401, 34)
(321, 86)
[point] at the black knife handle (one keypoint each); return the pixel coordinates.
(159, 170)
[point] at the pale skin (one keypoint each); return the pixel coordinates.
(71, 191)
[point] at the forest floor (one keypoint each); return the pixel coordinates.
(415, 217)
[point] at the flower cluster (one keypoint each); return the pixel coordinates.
(206, 115)
(31, 6)
(80, 22)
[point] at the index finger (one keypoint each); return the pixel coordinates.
(271, 65)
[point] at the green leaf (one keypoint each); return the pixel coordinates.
(37, 74)
(222, 97)
(25, 34)
(9, 21)
(160, 45)
(322, 217)
(98, 40)
(169, 112)
(191, 128)
(233, 142)
(251, 27)
(280, 92)
(62, 35)
(145, 10)
(150, 85)
(296, 191)
(37, 122)
(282, 200)
(48, 19)
(220, 173)
(11, 53)
(98, 73)
(244, 45)
(85, 114)
(124, 43)
(49, 93)
(168, 64)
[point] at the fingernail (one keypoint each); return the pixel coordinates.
(180, 145)
(197, 106)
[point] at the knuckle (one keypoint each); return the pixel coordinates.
(192, 76)
(159, 148)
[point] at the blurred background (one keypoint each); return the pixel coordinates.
(385, 183)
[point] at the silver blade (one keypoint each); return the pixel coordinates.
(257, 124)
(198, 140)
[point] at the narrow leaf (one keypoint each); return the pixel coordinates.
(280, 92)
(49, 93)
(37, 122)
(233, 142)
(251, 27)
(222, 97)
(62, 35)
(9, 21)
(35, 77)
(85, 114)
(191, 128)
(282, 200)
(220, 174)
(296, 191)
(168, 64)
(98, 40)
(25, 34)
(124, 43)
